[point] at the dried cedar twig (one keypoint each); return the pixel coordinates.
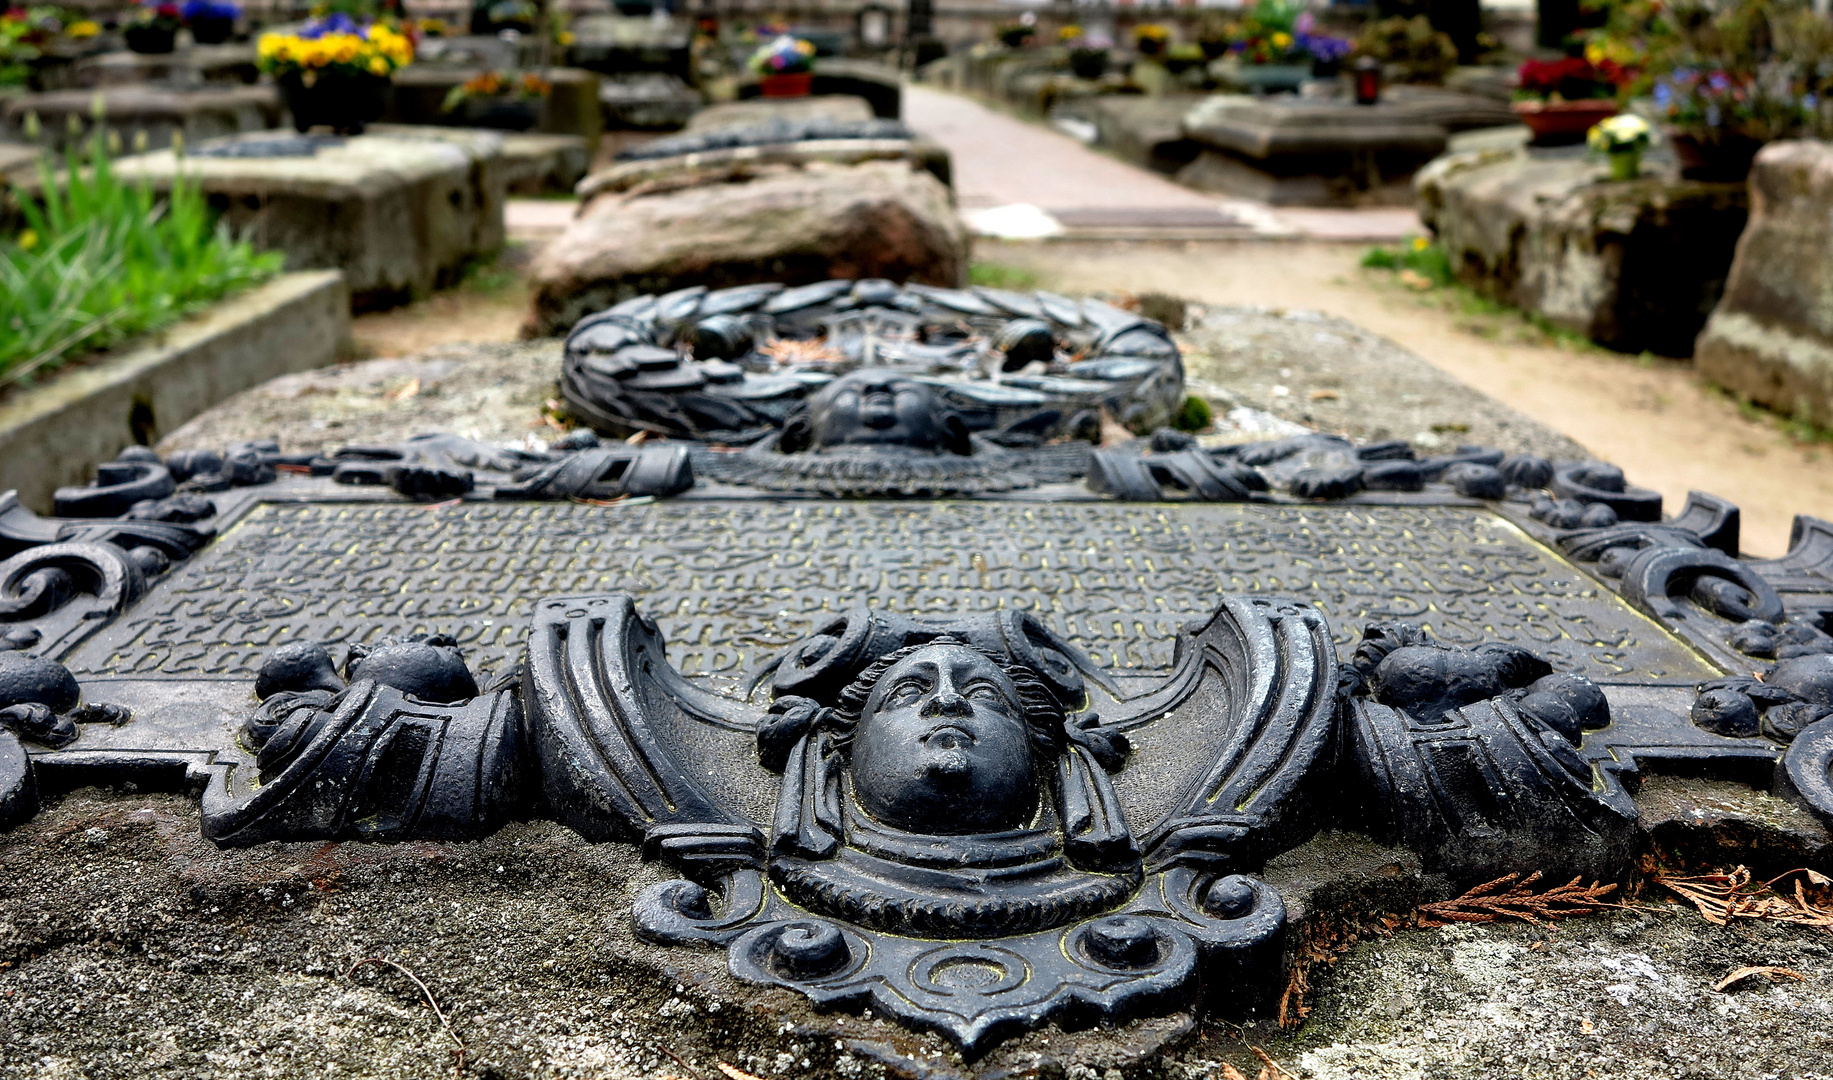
(787, 351)
(1324, 944)
(1722, 896)
(437, 1011)
(1776, 974)
(1513, 897)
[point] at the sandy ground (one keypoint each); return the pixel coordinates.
(1655, 418)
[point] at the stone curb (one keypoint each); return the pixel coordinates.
(54, 435)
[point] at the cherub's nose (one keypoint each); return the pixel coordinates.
(948, 703)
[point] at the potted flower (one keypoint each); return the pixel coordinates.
(502, 100)
(1087, 55)
(1014, 35)
(22, 41)
(1621, 139)
(1718, 120)
(1408, 50)
(1266, 48)
(1560, 100)
(1327, 52)
(211, 22)
(1151, 39)
(154, 28)
(335, 72)
(785, 67)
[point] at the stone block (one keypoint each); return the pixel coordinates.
(1147, 131)
(400, 214)
(797, 224)
(647, 101)
(1771, 336)
(1327, 151)
(843, 108)
(19, 161)
(572, 108)
(198, 65)
(616, 44)
(57, 432)
(1633, 265)
(533, 163)
(157, 112)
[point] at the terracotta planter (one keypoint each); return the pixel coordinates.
(788, 86)
(1556, 122)
(344, 103)
(1727, 157)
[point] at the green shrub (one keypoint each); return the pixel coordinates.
(101, 260)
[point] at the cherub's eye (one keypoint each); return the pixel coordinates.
(986, 691)
(905, 692)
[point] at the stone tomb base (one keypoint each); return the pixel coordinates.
(1326, 151)
(401, 214)
(146, 110)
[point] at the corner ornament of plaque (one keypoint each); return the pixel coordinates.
(952, 840)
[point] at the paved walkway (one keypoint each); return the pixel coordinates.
(1018, 180)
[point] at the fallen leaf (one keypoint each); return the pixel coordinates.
(1587, 1027)
(638, 439)
(1229, 1072)
(1326, 395)
(736, 1073)
(1776, 974)
(404, 391)
(1415, 280)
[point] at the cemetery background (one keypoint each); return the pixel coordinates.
(159, 941)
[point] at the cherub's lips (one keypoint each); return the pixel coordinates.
(948, 736)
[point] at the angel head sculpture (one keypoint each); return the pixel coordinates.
(876, 408)
(939, 762)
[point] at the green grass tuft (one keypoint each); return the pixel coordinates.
(1196, 415)
(1000, 276)
(101, 260)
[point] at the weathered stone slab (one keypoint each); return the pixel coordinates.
(399, 214)
(647, 101)
(1635, 265)
(55, 434)
(1145, 130)
(1771, 336)
(533, 163)
(572, 108)
(1326, 151)
(613, 44)
(845, 108)
(796, 223)
(153, 112)
(194, 66)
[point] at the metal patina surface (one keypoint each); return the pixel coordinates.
(1002, 741)
(732, 580)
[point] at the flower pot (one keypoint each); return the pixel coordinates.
(1213, 50)
(1555, 122)
(211, 29)
(1625, 164)
(501, 114)
(1726, 157)
(1150, 46)
(788, 86)
(150, 38)
(344, 102)
(1088, 64)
